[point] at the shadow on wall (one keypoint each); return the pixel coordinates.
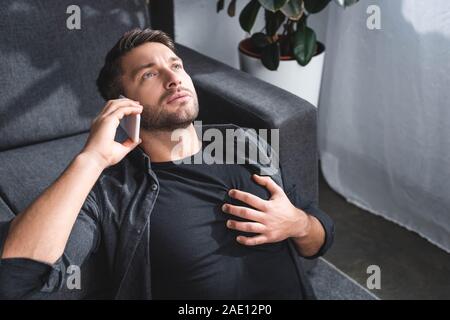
(48, 69)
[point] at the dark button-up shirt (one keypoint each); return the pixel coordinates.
(110, 238)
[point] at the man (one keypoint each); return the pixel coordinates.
(163, 229)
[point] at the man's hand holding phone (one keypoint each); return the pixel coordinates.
(58, 207)
(131, 124)
(100, 143)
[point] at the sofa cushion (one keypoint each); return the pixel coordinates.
(48, 71)
(25, 172)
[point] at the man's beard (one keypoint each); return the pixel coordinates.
(162, 118)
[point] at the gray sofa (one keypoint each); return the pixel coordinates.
(49, 96)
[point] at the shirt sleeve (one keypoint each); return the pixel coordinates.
(310, 208)
(22, 278)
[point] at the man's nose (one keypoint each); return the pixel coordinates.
(173, 80)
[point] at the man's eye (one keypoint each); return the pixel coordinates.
(179, 66)
(147, 75)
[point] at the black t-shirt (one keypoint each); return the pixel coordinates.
(195, 256)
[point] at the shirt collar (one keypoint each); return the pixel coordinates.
(140, 158)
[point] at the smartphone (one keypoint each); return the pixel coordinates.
(131, 124)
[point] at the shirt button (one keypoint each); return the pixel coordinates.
(154, 187)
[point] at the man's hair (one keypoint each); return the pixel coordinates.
(108, 82)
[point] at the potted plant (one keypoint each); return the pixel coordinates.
(292, 59)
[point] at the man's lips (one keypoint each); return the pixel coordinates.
(177, 96)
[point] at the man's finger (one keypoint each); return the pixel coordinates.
(106, 107)
(248, 198)
(243, 212)
(116, 104)
(130, 144)
(125, 111)
(269, 184)
(252, 241)
(253, 227)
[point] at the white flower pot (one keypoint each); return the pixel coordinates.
(301, 81)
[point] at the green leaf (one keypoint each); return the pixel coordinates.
(259, 40)
(293, 9)
(304, 44)
(315, 6)
(220, 4)
(248, 15)
(273, 5)
(273, 21)
(270, 56)
(232, 8)
(346, 3)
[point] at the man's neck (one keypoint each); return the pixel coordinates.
(163, 146)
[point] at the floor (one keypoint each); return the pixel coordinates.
(329, 283)
(411, 267)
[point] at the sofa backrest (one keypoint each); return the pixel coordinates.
(48, 71)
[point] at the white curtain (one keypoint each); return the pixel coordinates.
(384, 112)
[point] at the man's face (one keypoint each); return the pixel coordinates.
(152, 74)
